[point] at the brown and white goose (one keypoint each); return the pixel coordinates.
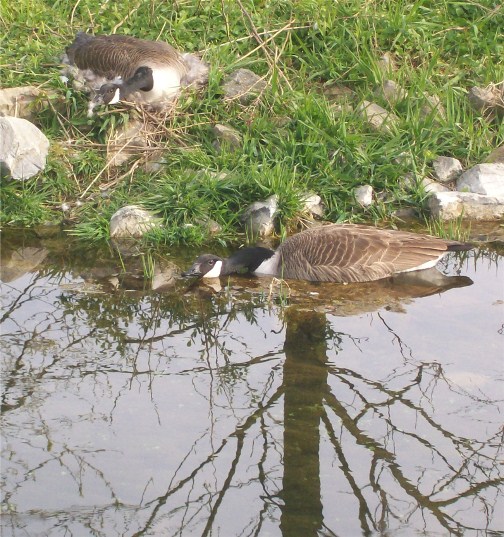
(119, 67)
(342, 253)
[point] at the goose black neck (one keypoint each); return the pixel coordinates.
(245, 260)
(142, 80)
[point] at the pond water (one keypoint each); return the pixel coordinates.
(252, 408)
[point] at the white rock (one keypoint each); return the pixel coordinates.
(312, 204)
(432, 107)
(431, 186)
(23, 148)
(364, 195)
(259, 217)
(452, 205)
(391, 91)
(226, 136)
(446, 169)
(377, 117)
(485, 179)
(243, 85)
(18, 102)
(132, 221)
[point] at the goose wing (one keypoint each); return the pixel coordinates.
(111, 56)
(354, 253)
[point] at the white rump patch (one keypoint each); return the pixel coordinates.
(215, 272)
(427, 265)
(268, 266)
(166, 86)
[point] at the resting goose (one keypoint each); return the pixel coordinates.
(341, 253)
(118, 67)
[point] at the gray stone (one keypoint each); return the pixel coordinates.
(408, 181)
(386, 63)
(337, 93)
(259, 217)
(364, 195)
(165, 275)
(487, 179)
(16, 263)
(446, 169)
(390, 91)
(132, 221)
(432, 106)
(452, 205)
(243, 85)
(227, 137)
(497, 155)
(313, 206)
(430, 186)
(379, 118)
(489, 99)
(405, 213)
(23, 148)
(19, 102)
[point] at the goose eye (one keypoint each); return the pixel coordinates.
(211, 262)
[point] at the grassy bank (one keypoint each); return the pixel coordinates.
(296, 139)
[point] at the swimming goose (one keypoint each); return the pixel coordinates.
(341, 253)
(116, 67)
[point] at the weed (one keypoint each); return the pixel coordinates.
(296, 138)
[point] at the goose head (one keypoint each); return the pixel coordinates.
(113, 92)
(206, 266)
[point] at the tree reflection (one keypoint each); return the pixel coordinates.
(270, 430)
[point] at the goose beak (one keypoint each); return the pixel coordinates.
(194, 270)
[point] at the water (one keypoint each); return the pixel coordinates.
(253, 409)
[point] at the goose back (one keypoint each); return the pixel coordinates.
(113, 56)
(355, 253)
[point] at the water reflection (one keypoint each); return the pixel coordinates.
(254, 410)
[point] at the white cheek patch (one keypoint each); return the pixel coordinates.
(116, 97)
(215, 272)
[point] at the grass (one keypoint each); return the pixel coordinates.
(296, 139)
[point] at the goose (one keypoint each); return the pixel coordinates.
(342, 253)
(119, 67)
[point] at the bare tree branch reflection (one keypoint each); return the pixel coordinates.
(220, 413)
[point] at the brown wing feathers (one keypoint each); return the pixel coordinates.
(354, 253)
(119, 55)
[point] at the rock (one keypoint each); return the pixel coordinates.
(165, 275)
(364, 195)
(487, 179)
(337, 93)
(497, 155)
(386, 63)
(243, 85)
(431, 186)
(447, 169)
(379, 118)
(19, 102)
(391, 92)
(227, 137)
(408, 181)
(489, 99)
(16, 263)
(405, 213)
(452, 205)
(313, 206)
(259, 217)
(23, 148)
(132, 221)
(432, 107)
